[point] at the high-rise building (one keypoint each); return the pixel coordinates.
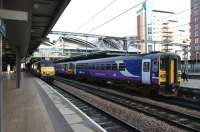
(162, 30)
(195, 30)
(144, 27)
(157, 30)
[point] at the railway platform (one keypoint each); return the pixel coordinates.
(191, 83)
(37, 107)
(194, 75)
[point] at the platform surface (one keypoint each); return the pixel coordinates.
(30, 109)
(191, 83)
(23, 107)
(194, 73)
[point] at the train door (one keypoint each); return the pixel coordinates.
(172, 71)
(146, 77)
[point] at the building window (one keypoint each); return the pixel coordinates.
(196, 33)
(196, 11)
(196, 41)
(150, 48)
(196, 27)
(196, 19)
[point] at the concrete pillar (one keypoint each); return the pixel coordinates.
(1, 82)
(1, 87)
(18, 67)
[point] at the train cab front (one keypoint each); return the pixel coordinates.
(47, 71)
(169, 73)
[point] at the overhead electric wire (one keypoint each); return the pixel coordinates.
(96, 14)
(111, 19)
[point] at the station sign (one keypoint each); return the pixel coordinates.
(2, 27)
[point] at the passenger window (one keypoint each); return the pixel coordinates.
(93, 66)
(70, 66)
(121, 66)
(89, 66)
(163, 64)
(155, 66)
(98, 66)
(102, 66)
(108, 66)
(146, 67)
(114, 66)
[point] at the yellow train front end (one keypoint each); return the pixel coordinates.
(69, 70)
(47, 71)
(169, 72)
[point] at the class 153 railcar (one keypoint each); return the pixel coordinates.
(65, 69)
(44, 69)
(155, 71)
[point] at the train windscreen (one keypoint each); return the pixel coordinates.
(46, 64)
(163, 63)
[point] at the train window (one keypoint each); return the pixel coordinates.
(114, 66)
(103, 67)
(85, 66)
(108, 66)
(146, 67)
(70, 66)
(77, 66)
(80, 66)
(98, 66)
(163, 63)
(89, 66)
(121, 66)
(45, 64)
(155, 66)
(93, 66)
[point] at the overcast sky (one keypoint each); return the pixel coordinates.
(77, 16)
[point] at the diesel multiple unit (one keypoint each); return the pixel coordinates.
(155, 71)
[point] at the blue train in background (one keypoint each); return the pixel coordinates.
(155, 71)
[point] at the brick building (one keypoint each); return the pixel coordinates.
(195, 29)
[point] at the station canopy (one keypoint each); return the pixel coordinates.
(26, 35)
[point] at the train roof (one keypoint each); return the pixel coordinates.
(42, 61)
(107, 56)
(124, 57)
(96, 55)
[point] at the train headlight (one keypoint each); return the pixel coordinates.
(163, 75)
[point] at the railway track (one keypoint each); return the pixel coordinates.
(175, 118)
(192, 93)
(183, 100)
(179, 101)
(109, 123)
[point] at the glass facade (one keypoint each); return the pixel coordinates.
(149, 5)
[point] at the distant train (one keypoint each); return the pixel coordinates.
(155, 71)
(44, 69)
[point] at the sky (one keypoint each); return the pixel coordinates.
(83, 16)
